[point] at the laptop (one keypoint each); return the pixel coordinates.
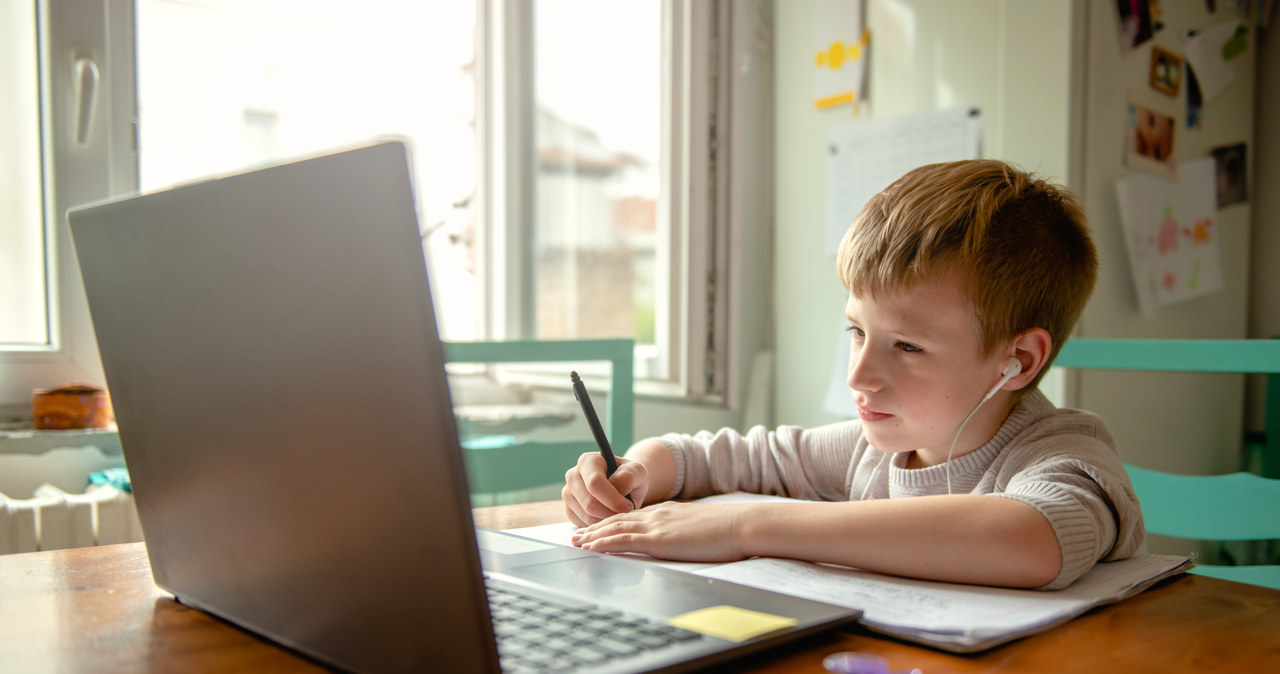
(272, 354)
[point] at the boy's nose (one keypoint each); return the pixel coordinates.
(862, 372)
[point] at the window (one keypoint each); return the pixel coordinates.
(599, 125)
(590, 262)
(224, 85)
(563, 153)
(24, 320)
(66, 83)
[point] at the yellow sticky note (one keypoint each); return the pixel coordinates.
(730, 622)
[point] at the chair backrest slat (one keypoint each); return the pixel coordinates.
(502, 467)
(1232, 507)
(1247, 356)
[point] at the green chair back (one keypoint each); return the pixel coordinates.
(1233, 507)
(504, 466)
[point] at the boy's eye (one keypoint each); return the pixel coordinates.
(909, 348)
(857, 332)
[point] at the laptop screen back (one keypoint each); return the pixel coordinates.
(271, 351)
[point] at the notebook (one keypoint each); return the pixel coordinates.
(273, 359)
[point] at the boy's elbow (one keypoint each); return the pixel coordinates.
(1043, 566)
(1039, 553)
(1031, 567)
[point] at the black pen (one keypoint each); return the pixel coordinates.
(580, 392)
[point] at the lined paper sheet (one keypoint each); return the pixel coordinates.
(955, 617)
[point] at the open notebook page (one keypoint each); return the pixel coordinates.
(951, 616)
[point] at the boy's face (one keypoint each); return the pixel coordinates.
(916, 370)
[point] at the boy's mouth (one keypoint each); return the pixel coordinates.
(869, 415)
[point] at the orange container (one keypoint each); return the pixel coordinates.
(71, 406)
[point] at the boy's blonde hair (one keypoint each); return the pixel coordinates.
(1019, 244)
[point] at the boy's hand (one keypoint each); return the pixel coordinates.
(690, 532)
(589, 496)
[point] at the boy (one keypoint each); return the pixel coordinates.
(964, 281)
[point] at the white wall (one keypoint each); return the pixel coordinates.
(1141, 409)
(1028, 59)
(926, 55)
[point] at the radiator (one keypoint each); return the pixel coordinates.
(52, 519)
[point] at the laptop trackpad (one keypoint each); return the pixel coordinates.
(502, 552)
(613, 580)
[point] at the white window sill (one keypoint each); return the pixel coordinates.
(32, 441)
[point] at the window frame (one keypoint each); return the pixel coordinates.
(75, 173)
(708, 243)
(690, 357)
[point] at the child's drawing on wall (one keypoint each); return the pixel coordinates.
(1171, 234)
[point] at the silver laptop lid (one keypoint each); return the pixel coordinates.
(263, 336)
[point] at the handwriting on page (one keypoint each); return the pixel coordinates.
(940, 608)
(882, 598)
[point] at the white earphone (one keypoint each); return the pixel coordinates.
(1010, 371)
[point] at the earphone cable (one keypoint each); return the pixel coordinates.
(871, 480)
(957, 439)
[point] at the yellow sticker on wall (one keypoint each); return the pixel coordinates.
(840, 44)
(730, 622)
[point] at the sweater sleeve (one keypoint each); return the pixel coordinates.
(1080, 486)
(790, 461)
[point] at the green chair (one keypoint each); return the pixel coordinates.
(497, 465)
(1233, 507)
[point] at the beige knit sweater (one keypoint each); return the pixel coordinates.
(1062, 462)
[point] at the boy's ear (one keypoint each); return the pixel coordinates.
(1032, 349)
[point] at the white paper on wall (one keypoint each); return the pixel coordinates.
(1171, 234)
(865, 156)
(840, 59)
(1212, 53)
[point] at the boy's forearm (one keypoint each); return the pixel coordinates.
(965, 538)
(659, 465)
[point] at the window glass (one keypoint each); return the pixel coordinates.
(597, 88)
(227, 84)
(23, 318)
(224, 85)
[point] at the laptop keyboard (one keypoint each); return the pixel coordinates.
(537, 635)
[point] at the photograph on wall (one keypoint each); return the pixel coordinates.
(1135, 23)
(1231, 182)
(1171, 234)
(1166, 71)
(1150, 137)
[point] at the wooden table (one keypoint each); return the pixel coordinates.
(98, 610)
